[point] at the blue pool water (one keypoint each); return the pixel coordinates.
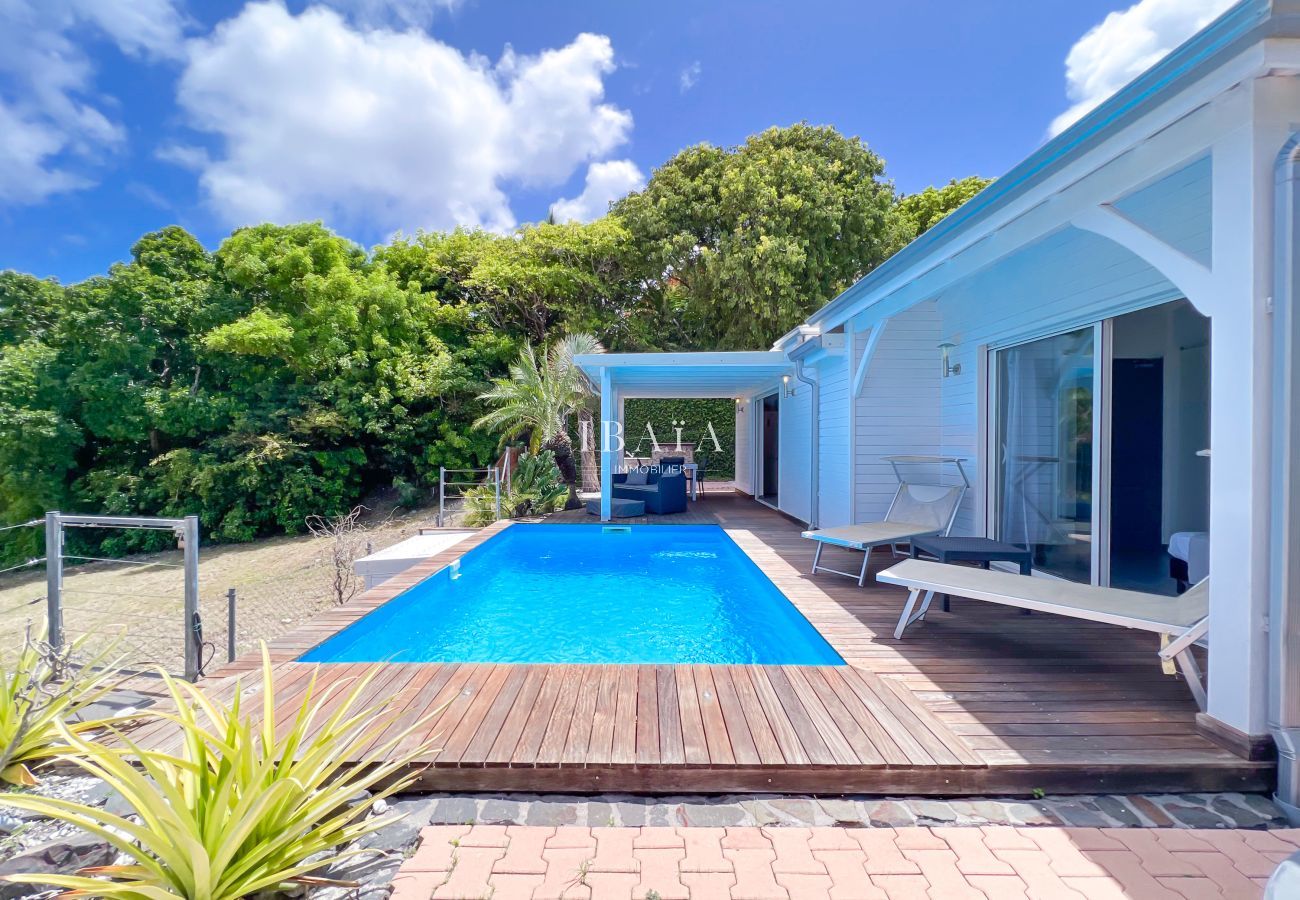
(583, 594)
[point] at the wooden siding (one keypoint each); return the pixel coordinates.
(834, 459)
(978, 700)
(795, 488)
(898, 409)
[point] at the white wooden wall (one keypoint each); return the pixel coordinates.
(745, 446)
(898, 408)
(795, 485)
(834, 461)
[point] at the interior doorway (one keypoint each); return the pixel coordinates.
(770, 450)
(1160, 428)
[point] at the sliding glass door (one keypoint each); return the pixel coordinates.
(1044, 461)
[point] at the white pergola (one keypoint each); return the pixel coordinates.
(620, 376)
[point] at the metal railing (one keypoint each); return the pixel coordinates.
(153, 619)
(492, 477)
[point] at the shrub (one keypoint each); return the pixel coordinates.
(238, 810)
(42, 698)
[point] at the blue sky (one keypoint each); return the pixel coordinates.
(120, 116)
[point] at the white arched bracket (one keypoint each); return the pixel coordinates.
(873, 339)
(1195, 280)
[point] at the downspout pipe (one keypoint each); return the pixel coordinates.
(1283, 614)
(814, 417)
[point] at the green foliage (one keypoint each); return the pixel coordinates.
(243, 806)
(536, 486)
(289, 373)
(43, 696)
(694, 416)
(918, 213)
(744, 243)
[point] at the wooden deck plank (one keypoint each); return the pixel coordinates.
(453, 750)
(551, 751)
(623, 749)
(672, 750)
(577, 748)
(600, 747)
(477, 750)
(647, 717)
(695, 745)
(760, 730)
(512, 727)
(539, 719)
(738, 732)
(715, 726)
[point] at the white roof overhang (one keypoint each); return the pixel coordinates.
(737, 374)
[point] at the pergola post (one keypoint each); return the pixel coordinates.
(608, 437)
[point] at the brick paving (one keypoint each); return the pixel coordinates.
(790, 863)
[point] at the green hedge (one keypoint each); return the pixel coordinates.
(693, 417)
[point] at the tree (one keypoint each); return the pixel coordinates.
(540, 398)
(744, 243)
(918, 213)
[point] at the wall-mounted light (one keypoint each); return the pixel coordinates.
(740, 407)
(789, 388)
(949, 368)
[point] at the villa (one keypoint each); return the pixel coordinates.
(1107, 339)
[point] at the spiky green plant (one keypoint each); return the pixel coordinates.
(540, 398)
(237, 810)
(48, 687)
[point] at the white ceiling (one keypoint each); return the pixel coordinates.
(687, 374)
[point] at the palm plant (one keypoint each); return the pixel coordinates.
(242, 806)
(541, 397)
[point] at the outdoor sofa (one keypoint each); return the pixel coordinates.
(663, 492)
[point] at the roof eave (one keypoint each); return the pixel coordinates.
(1245, 24)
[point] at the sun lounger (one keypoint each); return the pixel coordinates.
(1181, 621)
(918, 509)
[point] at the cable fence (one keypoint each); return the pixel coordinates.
(138, 603)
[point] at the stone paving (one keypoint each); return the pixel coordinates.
(793, 863)
(1092, 811)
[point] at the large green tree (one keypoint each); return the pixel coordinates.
(743, 243)
(918, 213)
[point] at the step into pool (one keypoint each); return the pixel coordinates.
(586, 594)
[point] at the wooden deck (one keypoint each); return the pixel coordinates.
(979, 700)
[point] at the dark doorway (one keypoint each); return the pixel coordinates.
(1137, 469)
(771, 449)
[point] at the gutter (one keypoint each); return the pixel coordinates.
(814, 417)
(1283, 614)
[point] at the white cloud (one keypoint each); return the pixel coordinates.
(1125, 45)
(690, 76)
(606, 182)
(397, 13)
(54, 129)
(318, 119)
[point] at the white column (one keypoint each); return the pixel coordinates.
(608, 456)
(1240, 409)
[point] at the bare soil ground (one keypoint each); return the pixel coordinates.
(139, 601)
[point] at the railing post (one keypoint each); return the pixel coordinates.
(190, 543)
(231, 618)
(496, 477)
(54, 579)
(442, 491)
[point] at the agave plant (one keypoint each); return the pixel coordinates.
(45, 693)
(237, 810)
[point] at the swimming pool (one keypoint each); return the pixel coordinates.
(590, 594)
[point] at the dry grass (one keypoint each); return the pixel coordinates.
(280, 582)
